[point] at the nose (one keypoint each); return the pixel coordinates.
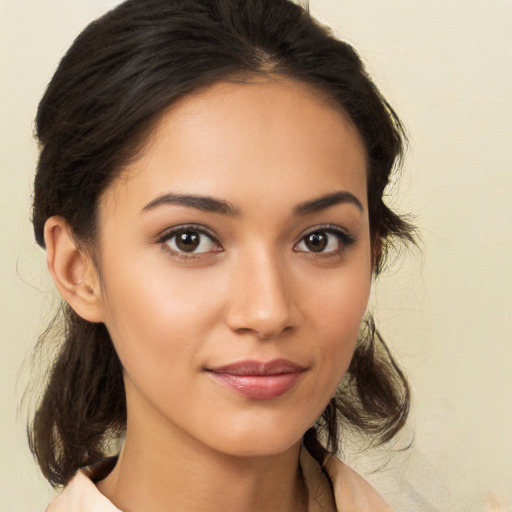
(260, 298)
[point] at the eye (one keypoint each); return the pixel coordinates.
(189, 240)
(325, 240)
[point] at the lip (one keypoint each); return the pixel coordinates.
(259, 380)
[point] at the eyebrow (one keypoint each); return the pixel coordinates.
(205, 203)
(211, 204)
(327, 201)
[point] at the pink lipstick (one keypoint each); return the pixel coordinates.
(258, 380)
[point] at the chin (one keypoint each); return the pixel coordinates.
(260, 442)
(259, 448)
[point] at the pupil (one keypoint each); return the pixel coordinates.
(316, 242)
(187, 241)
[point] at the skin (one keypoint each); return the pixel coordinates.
(254, 290)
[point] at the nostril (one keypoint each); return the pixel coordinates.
(262, 326)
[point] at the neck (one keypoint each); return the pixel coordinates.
(164, 473)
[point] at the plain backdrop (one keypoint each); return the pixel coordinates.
(445, 65)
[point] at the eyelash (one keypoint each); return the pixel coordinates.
(345, 240)
(168, 235)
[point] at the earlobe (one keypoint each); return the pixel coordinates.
(72, 270)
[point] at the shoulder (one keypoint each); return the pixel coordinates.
(351, 491)
(81, 494)
(336, 486)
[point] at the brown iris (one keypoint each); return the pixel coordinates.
(187, 241)
(316, 242)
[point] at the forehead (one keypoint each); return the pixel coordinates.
(259, 137)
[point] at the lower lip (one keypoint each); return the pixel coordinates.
(260, 387)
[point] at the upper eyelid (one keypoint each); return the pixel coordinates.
(332, 228)
(346, 238)
(173, 230)
(168, 234)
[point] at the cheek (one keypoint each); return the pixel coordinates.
(335, 317)
(154, 315)
(336, 302)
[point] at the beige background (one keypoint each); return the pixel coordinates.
(446, 67)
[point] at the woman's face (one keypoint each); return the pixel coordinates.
(235, 264)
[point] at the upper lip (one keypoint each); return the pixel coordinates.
(259, 368)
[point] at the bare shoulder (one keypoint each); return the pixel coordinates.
(352, 492)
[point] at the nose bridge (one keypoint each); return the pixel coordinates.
(260, 297)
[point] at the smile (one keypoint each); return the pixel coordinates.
(257, 380)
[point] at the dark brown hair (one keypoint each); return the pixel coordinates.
(109, 90)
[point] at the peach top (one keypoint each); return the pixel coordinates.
(349, 492)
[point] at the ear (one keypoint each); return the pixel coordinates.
(72, 270)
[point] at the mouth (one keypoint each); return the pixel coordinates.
(259, 380)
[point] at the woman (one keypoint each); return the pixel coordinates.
(209, 193)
